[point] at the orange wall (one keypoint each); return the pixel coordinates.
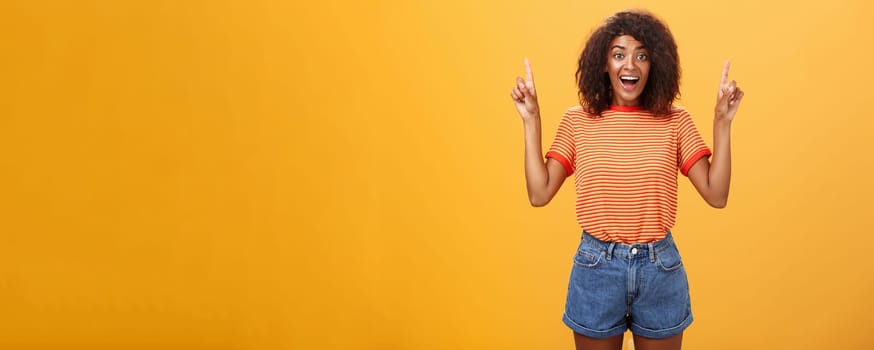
(324, 175)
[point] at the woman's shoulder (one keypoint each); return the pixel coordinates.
(678, 112)
(577, 111)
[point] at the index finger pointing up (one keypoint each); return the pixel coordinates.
(528, 72)
(725, 73)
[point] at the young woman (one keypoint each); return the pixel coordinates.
(625, 144)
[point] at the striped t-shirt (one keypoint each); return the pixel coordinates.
(625, 164)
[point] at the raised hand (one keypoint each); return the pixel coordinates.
(728, 97)
(524, 95)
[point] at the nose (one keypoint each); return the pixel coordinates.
(629, 63)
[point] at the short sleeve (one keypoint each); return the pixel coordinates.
(562, 148)
(690, 145)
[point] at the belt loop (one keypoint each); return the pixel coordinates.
(610, 250)
(651, 252)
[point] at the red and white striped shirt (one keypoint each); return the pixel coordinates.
(626, 164)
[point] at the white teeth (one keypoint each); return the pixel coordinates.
(629, 78)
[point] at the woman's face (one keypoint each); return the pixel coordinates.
(628, 68)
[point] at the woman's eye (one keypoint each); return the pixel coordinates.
(618, 56)
(642, 57)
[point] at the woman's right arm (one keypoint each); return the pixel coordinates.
(543, 179)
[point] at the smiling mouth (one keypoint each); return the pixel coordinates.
(628, 82)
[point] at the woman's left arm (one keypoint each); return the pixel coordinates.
(712, 179)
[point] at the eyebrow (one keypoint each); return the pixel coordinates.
(641, 47)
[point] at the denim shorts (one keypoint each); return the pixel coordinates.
(615, 286)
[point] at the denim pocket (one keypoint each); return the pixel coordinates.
(588, 257)
(669, 259)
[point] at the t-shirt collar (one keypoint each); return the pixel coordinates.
(625, 108)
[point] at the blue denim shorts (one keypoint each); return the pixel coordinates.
(615, 286)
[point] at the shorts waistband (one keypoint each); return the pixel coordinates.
(624, 250)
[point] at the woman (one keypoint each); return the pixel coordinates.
(625, 144)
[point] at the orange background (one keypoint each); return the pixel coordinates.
(327, 174)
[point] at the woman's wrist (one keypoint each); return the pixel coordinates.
(721, 123)
(531, 120)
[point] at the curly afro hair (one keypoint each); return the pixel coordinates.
(663, 85)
